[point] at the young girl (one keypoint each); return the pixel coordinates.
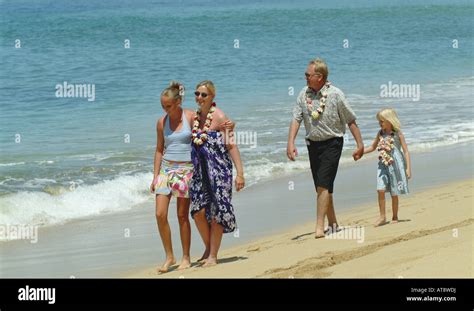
(394, 167)
(173, 170)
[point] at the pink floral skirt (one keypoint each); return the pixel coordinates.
(174, 178)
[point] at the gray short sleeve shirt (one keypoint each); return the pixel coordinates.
(332, 122)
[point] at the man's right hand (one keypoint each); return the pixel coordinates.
(291, 151)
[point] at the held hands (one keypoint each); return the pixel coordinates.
(291, 151)
(358, 153)
(239, 182)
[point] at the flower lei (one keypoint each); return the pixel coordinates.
(322, 102)
(385, 148)
(199, 137)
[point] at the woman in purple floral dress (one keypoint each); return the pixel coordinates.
(212, 154)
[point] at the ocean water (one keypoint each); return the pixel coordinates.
(65, 158)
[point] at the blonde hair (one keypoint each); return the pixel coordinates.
(175, 90)
(320, 67)
(389, 114)
(209, 85)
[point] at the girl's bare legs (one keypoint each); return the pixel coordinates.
(382, 219)
(204, 231)
(184, 231)
(162, 204)
(216, 238)
(395, 209)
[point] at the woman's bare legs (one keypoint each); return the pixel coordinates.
(162, 204)
(217, 231)
(184, 231)
(204, 230)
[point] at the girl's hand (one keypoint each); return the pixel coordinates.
(153, 185)
(408, 174)
(239, 182)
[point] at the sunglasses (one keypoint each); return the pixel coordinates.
(307, 75)
(204, 95)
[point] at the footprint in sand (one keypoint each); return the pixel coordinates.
(253, 249)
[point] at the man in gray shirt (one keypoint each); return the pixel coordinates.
(325, 112)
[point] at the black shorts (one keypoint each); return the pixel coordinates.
(324, 159)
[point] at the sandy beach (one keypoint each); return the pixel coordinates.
(433, 239)
(360, 95)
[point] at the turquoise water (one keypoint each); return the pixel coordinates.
(62, 158)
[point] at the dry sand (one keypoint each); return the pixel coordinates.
(434, 239)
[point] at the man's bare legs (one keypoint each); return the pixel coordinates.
(322, 208)
(325, 208)
(332, 221)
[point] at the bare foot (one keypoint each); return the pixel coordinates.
(330, 229)
(319, 234)
(395, 220)
(185, 264)
(210, 262)
(380, 222)
(204, 256)
(168, 263)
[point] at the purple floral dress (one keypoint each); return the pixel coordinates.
(211, 184)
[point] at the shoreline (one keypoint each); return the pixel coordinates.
(345, 163)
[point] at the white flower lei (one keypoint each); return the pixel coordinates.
(315, 114)
(199, 137)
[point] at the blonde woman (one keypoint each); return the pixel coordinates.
(394, 166)
(211, 186)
